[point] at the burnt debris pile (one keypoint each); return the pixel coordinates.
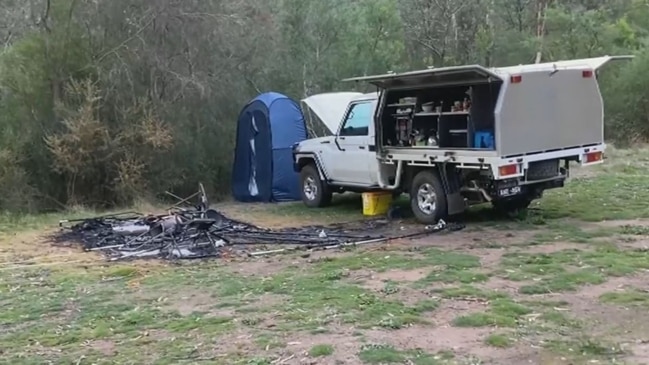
(197, 231)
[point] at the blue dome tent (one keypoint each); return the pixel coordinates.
(267, 128)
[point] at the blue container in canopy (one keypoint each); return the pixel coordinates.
(483, 139)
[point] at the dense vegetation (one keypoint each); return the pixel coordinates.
(103, 102)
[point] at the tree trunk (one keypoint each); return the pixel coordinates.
(541, 8)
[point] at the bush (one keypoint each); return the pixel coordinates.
(16, 195)
(627, 100)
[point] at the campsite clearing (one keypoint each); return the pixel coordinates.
(566, 284)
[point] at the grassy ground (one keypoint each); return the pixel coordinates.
(566, 284)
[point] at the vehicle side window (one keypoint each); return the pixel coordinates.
(357, 121)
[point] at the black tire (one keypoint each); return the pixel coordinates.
(428, 180)
(512, 207)
(321, 196)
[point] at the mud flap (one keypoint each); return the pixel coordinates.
(454, 200)
(456, 204)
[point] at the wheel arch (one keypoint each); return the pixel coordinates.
(411, 171)
(311, 158)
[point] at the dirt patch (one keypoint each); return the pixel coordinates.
(263, 267)
(239, 343)
(593, 292)
(431, 339)
(401, 275)
(552, 248)
(484, 238)
(318, 256)
(439, 335)
(443, 336)
(346, 347)
(104, 347)
(32, 248)
(189, 302)
(487, 244)
(451, 309)
(489, 257)
(402, 292)
(274, 264)
(300, 260)
(639, 352)
(633, 243)
(463, 342)
(611, 324)
(376, 281)
(520, 353)
(619, 223)
(493, 238)
(502, 285)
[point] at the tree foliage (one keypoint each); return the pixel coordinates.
(104, 102)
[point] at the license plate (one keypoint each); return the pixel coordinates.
(514, 190)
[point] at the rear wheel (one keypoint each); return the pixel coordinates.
(427, 198)
(315, 192)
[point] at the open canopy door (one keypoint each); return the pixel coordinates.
(476, 73)
(432, 76)
(587, 63)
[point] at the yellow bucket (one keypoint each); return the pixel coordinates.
(376, 203)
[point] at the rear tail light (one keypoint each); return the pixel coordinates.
(593, 157)
(508, 170)
(515, 79)
(587, 74)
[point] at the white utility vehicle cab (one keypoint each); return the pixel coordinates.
(457, 136)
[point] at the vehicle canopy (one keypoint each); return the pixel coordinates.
(476, 73)
(532, 108)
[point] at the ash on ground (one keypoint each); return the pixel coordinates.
(201, 232)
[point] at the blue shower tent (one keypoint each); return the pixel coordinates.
(267, 128)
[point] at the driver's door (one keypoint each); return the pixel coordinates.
(354, 139)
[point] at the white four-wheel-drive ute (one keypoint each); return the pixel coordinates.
(457, 136)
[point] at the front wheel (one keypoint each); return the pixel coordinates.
(427, 198)
(315, 192)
